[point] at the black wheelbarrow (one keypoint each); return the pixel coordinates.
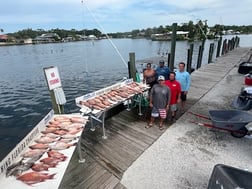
(233, 121)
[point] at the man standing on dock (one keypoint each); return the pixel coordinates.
(175, 89)
(162, 70)
(183, 77)
(159, 102)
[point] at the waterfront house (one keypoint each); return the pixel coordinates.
(46, 38)
(3, 38)
(182, 35)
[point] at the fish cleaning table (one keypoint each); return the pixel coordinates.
(123, 92)
(45, 145)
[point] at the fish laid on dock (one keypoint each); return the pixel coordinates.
(45, 140)
(56, 154)
(39, 146)
(69, 136)
(52, 161)
(51, 135)
(61, 146)
(103, 101)
(34, 152)
(40, 167)
(34, 177)
(22, 166)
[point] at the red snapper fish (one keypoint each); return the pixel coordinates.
(61, 146)
(62, 118)
(51, 161)
(34, 177)
(45, 140)
(56, 154)
(33, 153)
(78, 120)
(51, 135)
(49, 130)
(40, 167)
(39, 146)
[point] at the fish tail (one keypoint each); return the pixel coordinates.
(51, 176)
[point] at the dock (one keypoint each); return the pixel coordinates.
(181, 156)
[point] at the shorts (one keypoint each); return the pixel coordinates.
(183, 96)
(158, 112)
(173, 107)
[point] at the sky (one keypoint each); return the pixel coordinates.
(110, 16)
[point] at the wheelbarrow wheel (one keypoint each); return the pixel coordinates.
(240, 133)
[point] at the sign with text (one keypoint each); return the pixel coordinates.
(52, 77)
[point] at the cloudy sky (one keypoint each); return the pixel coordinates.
(119, 15)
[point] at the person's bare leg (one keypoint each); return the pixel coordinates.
(152, 119)
(161, 127)
(183, 106)
(173, 116)
(150, 124)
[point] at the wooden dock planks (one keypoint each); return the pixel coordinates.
(106, 160)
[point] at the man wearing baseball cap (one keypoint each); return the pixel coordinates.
(159, 102)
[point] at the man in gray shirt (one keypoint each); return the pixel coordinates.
(159, 102)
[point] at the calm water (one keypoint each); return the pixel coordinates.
(83, 66)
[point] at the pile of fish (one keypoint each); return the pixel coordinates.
(60, 133)
(114, 96)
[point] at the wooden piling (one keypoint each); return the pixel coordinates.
(199, 57)
(219, 47)
(132, 66)
(237, 41)
(169, 60)
(189, 58)
(173, 45)
(210, 55)
(224, 47)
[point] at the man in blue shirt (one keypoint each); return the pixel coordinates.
(162, 70)
(183, 77)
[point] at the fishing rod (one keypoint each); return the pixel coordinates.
(103, 30)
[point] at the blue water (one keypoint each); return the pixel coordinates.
(83, 66)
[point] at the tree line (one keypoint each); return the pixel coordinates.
(197, 30)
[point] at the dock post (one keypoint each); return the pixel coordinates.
(132, 66)
(169, 60)
(219, 47)
(210, 56)
(189, 59)
(224, 47)
(58, 108)
(199, 57)
(173, 45)
(237, 41)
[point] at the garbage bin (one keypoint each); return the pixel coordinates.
(227, 177)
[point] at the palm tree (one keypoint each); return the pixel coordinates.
(1, 30)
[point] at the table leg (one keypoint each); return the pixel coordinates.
(103, 126)
(81, 159)
(128, 105)
(140, 105)
(92, 124)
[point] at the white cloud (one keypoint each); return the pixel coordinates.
(121, 15)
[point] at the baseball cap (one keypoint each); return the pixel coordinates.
(161, 78)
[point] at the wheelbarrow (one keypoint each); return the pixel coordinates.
(233, 121)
